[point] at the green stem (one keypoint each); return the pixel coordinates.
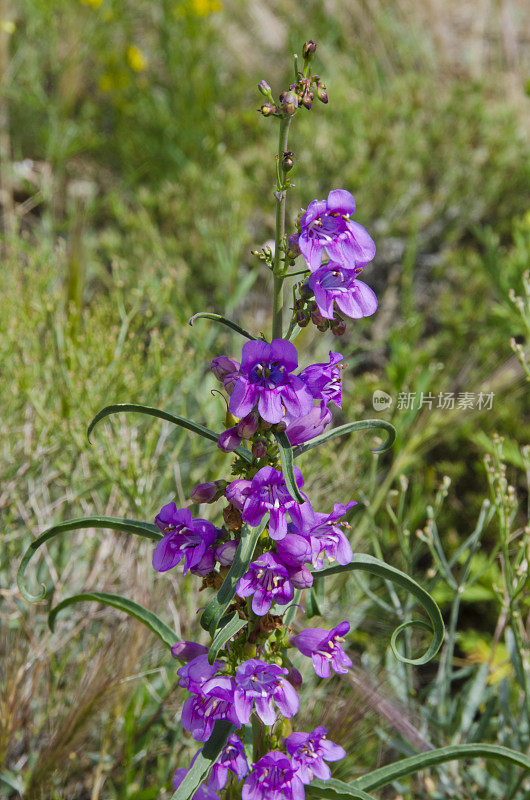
(279, 277)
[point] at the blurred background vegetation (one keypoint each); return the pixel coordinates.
(135, 178)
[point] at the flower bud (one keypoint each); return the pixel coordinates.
(287, 161)
(305, 291)
(292, 246)
(322, 92)
(308, 49)
(187, 651)
(307, 98)
(229, 440)
(302, 318)
(259, 448)
(223, 366)
(338, 326)
(319, 320)
(204, 493)
(247, 427)
(265, 90)
(289, 102)
(224, 554)
(267, 109)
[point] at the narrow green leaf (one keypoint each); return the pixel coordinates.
(366, 563)
(286, 456)
(228, 627)
(408, 766)
(222, 321)
(351, 427)
(217, 607)
(314, 600)
(292, 609)
(145, 529)
(143, 615)
(334, 790)
(203, 763)
(195, 427)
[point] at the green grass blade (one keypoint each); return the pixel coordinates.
(195, 427)
(206, 757)
(408, 766)
(222, 321)
(145, 529)
(367, 563)
(351, 427)
(143, 615)
(334, 790)
(287, 459)
(227, 629)
(217, 607)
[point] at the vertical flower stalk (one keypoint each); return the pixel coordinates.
(278, 270)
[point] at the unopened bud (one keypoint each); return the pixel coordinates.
(225, 553)
(287, 161)
(318, 319)
(259, 448)
(292, 246)
(305, 291)
(307, 99)
(294, 677)
(322, 92)
(229, 441)
(289, 102)
(265, 90)
(302, 318)
(267, 109)
(247, 427)
(187, 651)
(308, 50)
(338, 327)
(204, 493)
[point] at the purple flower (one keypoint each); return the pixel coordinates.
(266, 492)
(327, 224)
(185, 538)
(266, 378)
(335, 284)
(326, 537)
(295, 548)
(196, 672)
(324, 381)
(273, 778)
(232, 758)
(216, 701)
(308, 752)
(187, 651)
(313, 424)
(269, 581)
(258, 684)
(202, 793)
(325, 649)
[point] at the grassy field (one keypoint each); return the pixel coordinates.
(135, 178)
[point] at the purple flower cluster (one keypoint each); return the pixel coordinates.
(268, 393)
(264, 390)
(220, 696)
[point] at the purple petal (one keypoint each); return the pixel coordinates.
(243, 398)
(270, 405)
(264, 710)
(321, 665)
(341, 201)
(166, 555)
(285, 352)
(287, 699)
(254, 353)
(311, 250)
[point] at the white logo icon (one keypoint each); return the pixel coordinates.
(381, 400)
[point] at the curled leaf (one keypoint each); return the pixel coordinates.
(145, 529)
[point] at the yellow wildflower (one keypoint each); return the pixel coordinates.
(135, 58)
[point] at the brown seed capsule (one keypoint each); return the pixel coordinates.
(232, 518)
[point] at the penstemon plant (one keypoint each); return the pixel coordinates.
(272, 545)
